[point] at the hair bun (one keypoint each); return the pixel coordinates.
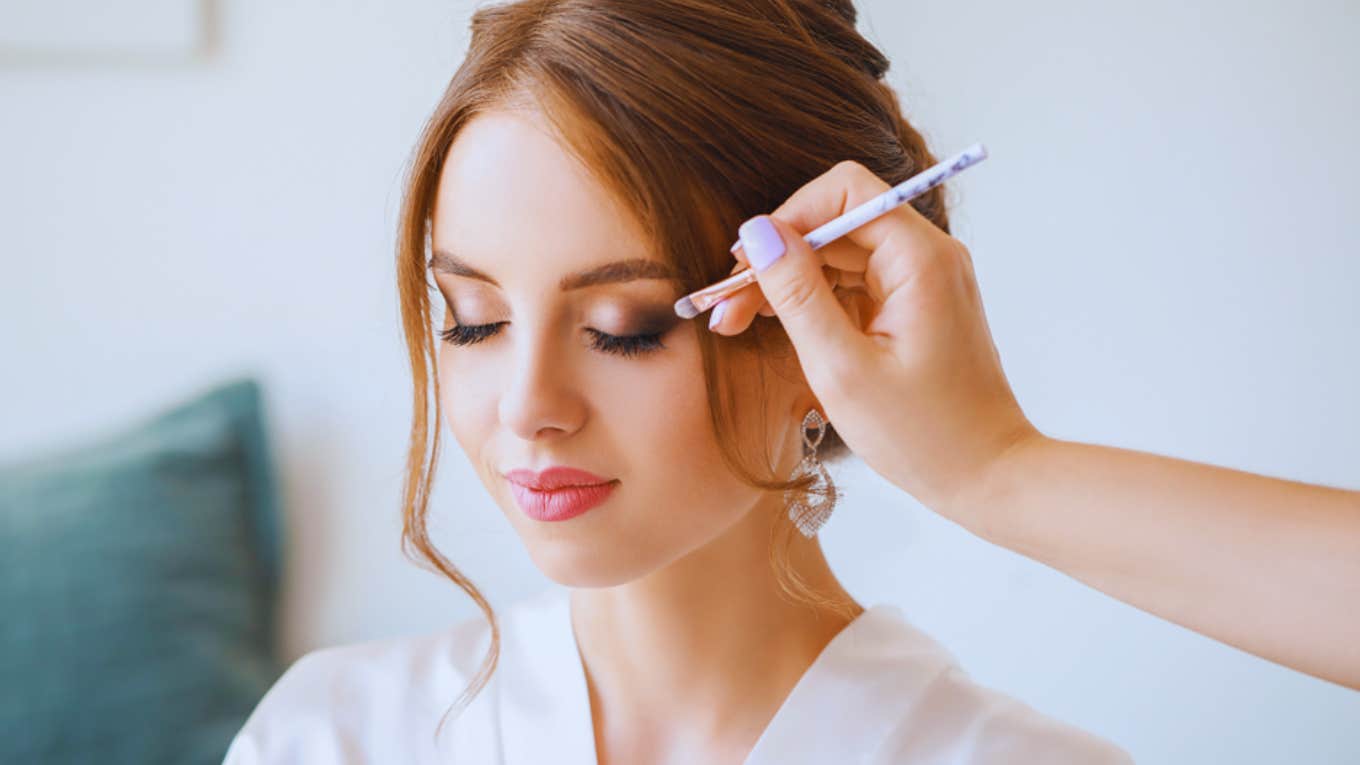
(844, 8)
(849, 44)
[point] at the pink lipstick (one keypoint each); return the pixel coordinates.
(558, 493)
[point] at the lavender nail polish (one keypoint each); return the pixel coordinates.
(761, 242)
(717, 314)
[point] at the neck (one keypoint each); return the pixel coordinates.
(700, 654)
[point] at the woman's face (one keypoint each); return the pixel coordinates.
(576, 362)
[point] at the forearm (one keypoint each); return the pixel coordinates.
(1266, 565)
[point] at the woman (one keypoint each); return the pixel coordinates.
(585, 169)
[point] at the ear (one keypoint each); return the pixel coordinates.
(805, 401)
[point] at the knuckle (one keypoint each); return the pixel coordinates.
(957, 254)
(964, 256)
(848, 168)
(861, 183)
(797, 296)
(845, 185)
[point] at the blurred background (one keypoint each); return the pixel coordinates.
(193, 192)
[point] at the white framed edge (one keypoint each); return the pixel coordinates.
(85, 28)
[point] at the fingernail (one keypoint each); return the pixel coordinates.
(717, 314)
(761, 242)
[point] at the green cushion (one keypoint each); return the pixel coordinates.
(138, 577)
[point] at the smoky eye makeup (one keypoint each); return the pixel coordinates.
(648, 320)
(613, 328)
(642, 332)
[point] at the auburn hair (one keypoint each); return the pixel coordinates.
(734, 104)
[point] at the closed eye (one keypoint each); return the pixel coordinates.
(460, 334)
(619, 345)
(626, 345)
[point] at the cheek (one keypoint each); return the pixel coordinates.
(670, 421)
(665, 432)
(656, 413)
(467, 403)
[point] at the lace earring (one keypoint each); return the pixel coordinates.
(810, 512)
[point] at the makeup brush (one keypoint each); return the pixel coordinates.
(696, 303)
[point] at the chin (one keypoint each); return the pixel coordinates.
(609, 547)
(589, 551)
(585, 563)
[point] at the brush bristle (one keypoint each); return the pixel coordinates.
(685, 308)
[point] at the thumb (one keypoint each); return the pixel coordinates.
(790, 276)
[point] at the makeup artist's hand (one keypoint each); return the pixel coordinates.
(898, 353)
(910, 379)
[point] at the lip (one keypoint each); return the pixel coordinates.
(558, 493)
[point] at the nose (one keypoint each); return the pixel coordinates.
(540, 398)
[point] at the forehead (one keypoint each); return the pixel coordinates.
(511, 192)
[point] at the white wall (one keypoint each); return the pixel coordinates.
(1162, 234)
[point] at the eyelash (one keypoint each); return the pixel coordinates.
(627, 346)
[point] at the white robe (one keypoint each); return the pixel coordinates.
(880, 692)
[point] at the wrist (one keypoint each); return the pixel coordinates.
(987, 503)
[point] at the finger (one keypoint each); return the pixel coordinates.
(841, 189)
(738, 309)
(749, 301)
(793, 280)
(841, 253)
(744, 302)
(848, 258)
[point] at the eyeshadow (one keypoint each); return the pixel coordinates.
(658, 320)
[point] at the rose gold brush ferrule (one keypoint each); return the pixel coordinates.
(696, 303)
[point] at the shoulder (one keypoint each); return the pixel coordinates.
(369, 701)
(937, 708)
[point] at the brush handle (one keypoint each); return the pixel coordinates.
(843, 224)
(894, 197)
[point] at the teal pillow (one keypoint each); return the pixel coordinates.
(138, 577)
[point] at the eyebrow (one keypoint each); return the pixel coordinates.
(608, 273)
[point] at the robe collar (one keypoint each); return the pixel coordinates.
(856, 693)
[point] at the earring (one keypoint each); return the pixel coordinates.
(809, 517)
